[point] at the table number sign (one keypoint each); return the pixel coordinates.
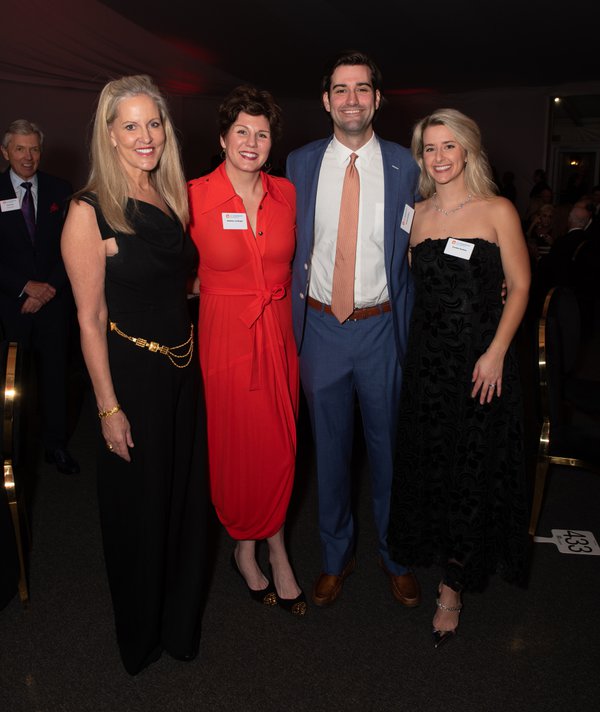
(569, 541)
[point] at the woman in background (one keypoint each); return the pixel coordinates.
(540, 233)
(243, 223)
(129, 260)
(458, 497)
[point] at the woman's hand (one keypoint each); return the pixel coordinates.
(116, 431)
(487, 377)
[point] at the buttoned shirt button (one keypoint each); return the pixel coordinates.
(305, 266)
(301, 295)
(260, 232)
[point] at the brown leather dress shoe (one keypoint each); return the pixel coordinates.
(405, 588)
(329, 586)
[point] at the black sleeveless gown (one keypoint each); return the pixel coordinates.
(153, 509)
(459, 488)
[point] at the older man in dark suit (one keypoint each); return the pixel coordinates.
(35, 298)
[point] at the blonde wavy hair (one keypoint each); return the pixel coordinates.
(478, 174)
(107, 178)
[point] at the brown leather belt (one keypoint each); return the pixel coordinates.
(357, 313)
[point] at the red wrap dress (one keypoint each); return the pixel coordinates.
(247, 350)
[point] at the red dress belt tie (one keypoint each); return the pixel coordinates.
(251, 316)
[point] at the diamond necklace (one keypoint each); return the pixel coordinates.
(448, 212)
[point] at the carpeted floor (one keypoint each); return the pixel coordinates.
(533, 650)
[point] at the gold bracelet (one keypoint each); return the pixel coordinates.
(108, 413)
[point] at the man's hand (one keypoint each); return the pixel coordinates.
(31, 305)
(42, 291)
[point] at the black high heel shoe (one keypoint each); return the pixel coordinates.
(443, 636)
(267, 595)
(296, 606)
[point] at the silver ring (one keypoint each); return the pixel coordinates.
(492, 385)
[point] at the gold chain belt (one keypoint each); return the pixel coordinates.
(167, 351)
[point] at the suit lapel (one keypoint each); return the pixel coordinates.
(391, 182)
(14, 222)
(43, 205)
(314, 159)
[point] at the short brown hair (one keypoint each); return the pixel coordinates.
(251, 101)
(352, 58)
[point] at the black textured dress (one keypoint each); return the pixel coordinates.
(153, 509)
(459, 486)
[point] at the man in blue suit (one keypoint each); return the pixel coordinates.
(36, 304)
(362, 355)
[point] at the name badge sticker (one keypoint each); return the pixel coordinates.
(459, 248)
(234, 221)
(407, 218)
(8, 205)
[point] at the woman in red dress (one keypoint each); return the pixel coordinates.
(243, 223)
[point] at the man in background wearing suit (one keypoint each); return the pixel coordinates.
(359, 352)
(35, 297)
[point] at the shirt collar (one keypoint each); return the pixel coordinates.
(220, 189)
(366, 152)
(17, 180)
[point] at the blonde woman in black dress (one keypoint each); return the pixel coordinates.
(458, 497)
(129, 260)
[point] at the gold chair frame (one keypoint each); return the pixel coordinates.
(544, 459)
(15, 503)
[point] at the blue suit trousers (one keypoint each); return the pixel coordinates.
(339, 362)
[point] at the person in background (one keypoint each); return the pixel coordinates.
(459, 494)
(566, 262)
(243, 224)
(36, 304)
(540, 183)
(129, 260)
(542, 196)
(540, 233)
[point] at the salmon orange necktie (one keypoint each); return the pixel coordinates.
(342, 290)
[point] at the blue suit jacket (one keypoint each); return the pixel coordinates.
(400, 175)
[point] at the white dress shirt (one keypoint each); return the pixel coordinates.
(370, 285)
(20, 192)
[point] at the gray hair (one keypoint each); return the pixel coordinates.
(22, 127)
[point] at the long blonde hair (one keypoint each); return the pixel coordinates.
(107, 178)
(478, 174)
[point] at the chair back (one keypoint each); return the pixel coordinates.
(560, 343)
(10, 387)
(10, 397)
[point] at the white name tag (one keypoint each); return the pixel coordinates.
(459, 248)
(8, 205)
(234, 221)
(407, 218)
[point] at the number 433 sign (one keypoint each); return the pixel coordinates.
(569, 541)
